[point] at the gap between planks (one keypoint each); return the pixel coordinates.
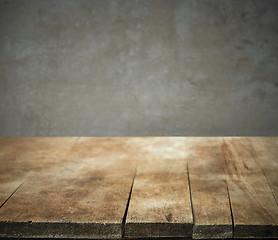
(127, 205)
(231, 209)
(190, 194)
(11, 195)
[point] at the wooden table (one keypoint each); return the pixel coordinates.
(80, 187)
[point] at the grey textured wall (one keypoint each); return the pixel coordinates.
(147, 67)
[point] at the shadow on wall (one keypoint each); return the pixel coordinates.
(134, 68)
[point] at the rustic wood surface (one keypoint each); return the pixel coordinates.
(86, 191)
(210, 199)
(200, 187)
(160, 201)
(254, 209)
(22, 157)
(267, 153)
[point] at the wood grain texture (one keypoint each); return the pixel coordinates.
(160, 200)
(83, 195)
(210, 201)
(255, 211)
(267, 157)
(21, 157)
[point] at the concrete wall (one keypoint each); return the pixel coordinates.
(147, 67)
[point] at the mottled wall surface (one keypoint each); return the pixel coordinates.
(146, 67)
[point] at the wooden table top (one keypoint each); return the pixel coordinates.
(85, 187)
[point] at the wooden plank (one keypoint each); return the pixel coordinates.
(255, 212)
(267, 156)
(21, 157)
(210, 200)
(160, 200)
(83, 195)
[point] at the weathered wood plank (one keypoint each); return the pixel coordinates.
(210, 201)
(254, 209)
(84, 195)
(267, 156)
(160, 200)
(21, 157)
